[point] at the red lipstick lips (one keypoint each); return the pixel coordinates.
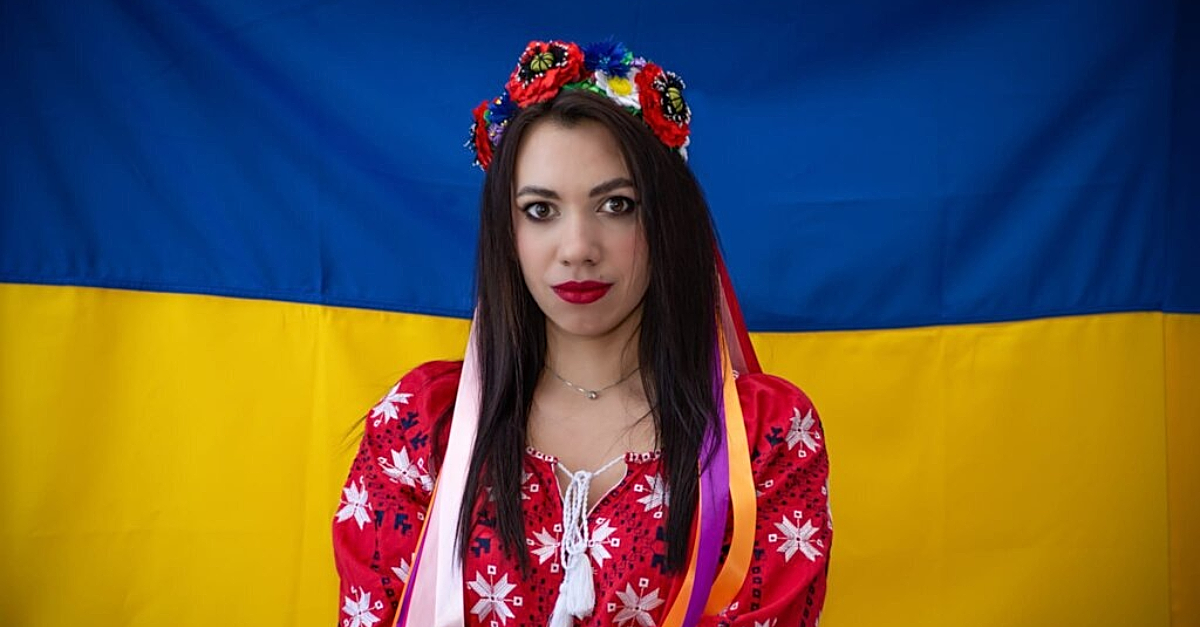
(581, 292)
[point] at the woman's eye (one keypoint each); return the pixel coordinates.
(619, 205)
(538, 211)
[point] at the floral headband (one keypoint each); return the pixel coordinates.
(608, 68)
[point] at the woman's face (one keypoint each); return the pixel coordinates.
(580, 241)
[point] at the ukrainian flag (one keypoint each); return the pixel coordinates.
(968, 230)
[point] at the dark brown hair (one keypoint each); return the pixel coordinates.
(676, 344)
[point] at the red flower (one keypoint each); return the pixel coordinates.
(479, 133)
(663, 107)
(543, 69)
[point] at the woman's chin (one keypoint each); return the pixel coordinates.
(583, 327)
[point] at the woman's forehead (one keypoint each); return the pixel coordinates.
(579, 155)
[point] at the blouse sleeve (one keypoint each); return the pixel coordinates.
(383, 502)
(793, 532)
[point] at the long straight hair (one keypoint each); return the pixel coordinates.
(676, 341)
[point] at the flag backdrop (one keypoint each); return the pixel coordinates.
(968, 229)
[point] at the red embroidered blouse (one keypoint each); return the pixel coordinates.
(383, 504)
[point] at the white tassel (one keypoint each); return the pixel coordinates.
(578, 588)
(576, 594)
(561, 617)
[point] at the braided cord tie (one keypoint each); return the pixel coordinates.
(577, 593)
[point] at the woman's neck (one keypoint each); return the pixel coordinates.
(590, 405)
(593, 362)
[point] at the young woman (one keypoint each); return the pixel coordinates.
(596, 459)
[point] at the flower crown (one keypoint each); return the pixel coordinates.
(608, 68)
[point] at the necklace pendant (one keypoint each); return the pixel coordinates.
(592, 395)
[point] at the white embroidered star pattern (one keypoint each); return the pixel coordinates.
(798, 539)
(658, 492)
(402, 469)
(547, 545)
(388, 407)
(402, 571)
(600, 538)
(493, 597)
(801, 431)
(358, 610)
(636, 608)
(354, 504)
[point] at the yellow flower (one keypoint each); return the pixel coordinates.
(620, 86)
(622, 89)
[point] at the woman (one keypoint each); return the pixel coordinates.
(596, 461)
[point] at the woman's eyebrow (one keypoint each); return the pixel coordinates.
(537, 191)
(599, 190)
(609, 186)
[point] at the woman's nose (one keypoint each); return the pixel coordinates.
(580, 242)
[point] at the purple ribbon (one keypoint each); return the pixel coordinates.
(714, 504)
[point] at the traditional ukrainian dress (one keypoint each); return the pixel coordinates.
(378, 522)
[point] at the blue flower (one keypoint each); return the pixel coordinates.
(608, 56)
(501, 108)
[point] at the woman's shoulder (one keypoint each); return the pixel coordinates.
(413, 406)
(432, 385)
(432, 373)
(434, 378)
(768, 399)
(780, 418)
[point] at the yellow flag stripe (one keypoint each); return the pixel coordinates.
(159, 451)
